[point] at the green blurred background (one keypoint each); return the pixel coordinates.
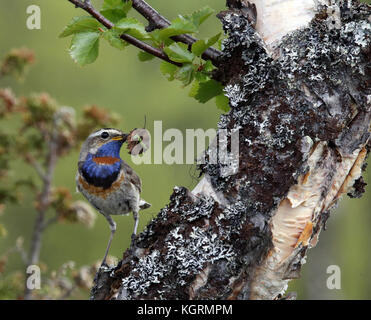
(119, 82)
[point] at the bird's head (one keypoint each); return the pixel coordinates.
(105, 142)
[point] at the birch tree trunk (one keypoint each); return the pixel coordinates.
(297, 75)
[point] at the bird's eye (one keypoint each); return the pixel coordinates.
(104, 135)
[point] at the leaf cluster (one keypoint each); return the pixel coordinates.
(87, 33)
(17, 62)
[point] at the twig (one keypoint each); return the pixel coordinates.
(36, 165)
(157, 21)
(49, 222)
(15, 248)
(39, 227)
(86, 5)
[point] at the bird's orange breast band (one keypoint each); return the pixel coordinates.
(105, 160)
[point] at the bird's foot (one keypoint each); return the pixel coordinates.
(104, 265)
(133, 243)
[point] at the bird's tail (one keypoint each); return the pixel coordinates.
(144, 204)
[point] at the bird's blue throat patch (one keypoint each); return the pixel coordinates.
(103, 168)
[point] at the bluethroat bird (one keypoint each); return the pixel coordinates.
(107, 181)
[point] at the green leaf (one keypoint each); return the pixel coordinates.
(200, 46)
(202, 76)
(113, 38)
(178, 52)
(182, 25)
(115, 10)
(178, 26)
(205, 91)
(145, 56)
(199, 16)
(85, 47)
(194, 88)
(222, 102)
(208, 66)
(115, 4)
(132, 27)
(185, 74)
(168, 70)
(80, 24)
(204, 70)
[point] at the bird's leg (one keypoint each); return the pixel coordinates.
(112, 226)
(136, 222)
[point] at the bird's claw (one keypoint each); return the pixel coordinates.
(104, 265)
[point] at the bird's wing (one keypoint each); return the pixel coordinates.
(79, 166)
(131, 176)
(78, 175)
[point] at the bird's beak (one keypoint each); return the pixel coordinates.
(122, 137)
(125, 136)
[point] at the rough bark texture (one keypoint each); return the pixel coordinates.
(302, 108)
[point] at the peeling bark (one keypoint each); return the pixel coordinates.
(301, 101)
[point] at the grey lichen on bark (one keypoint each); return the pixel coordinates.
(302, 107)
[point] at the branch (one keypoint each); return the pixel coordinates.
(86, 5)
(157, 21)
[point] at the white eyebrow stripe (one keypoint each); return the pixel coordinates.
(99, 132)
